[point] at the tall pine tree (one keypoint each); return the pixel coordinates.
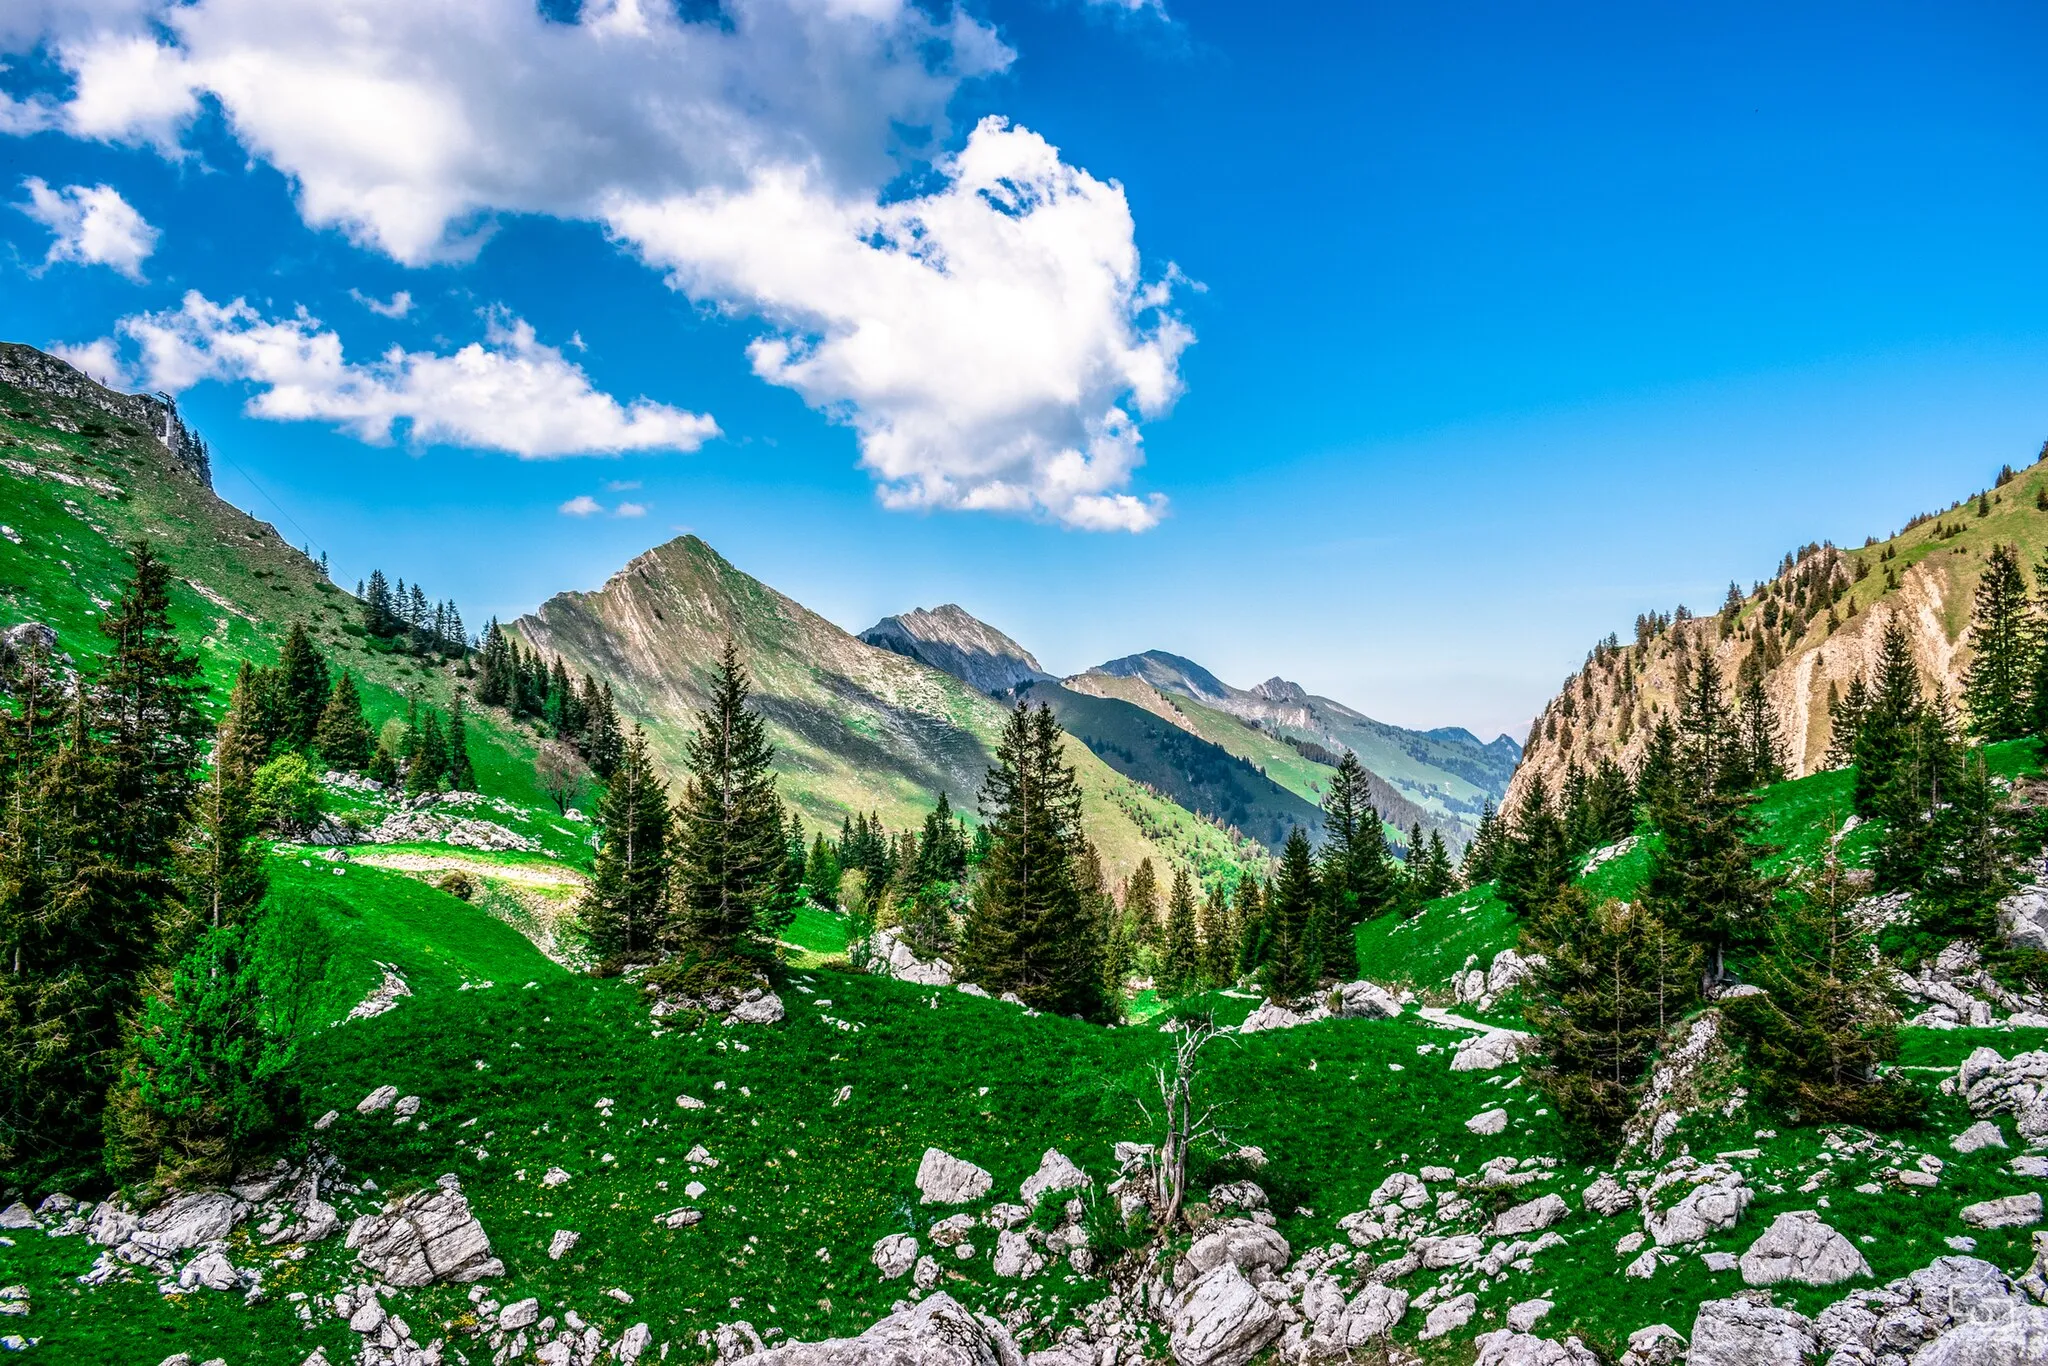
(1996, 689)
(1292, 961)
(623, 911)
(1180, 953)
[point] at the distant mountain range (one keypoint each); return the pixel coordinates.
(1257, 759)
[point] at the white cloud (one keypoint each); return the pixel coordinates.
(992, 340)
(631, 510)
(622, 485)
(99, 360)
(399, 305)
(582, 505)
(92, 226)
(509, 392)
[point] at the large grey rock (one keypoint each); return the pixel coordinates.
(936, 1331)
(1371, 1313)
(891, 957)
(1657, 1345)
(1015, 1257)
(1055, 1173)
(17, 1216)
(1707, 1208)
(1222, 1320)
(943, 1179)
(2019, 1339)
(764, 1008)
(894, 1255)
(1506, 1347)
(1799, 1247)
(1488, 1122)
(1735, 1332)
(2010, 1211)
(1399, 1189)
(178, 1225)
(1982, 1134)
(1608, 1197)
(425, 1237)
(1448, 1317)
(1994, 1085)
(1456, 1250)
(1493, 1049)
(1270, 1016)
(1539, 1213)
(1248, 1246)
(1365, 1000)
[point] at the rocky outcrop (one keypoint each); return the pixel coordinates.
(936, 1331)
(1718, 1196)
(1739, 1332)
(427, 1237)
(1993, 1085)
(952, 641)
(889, 956)
(943, 1179)
(1222, 1320)
(24, 367)
(1055, 1173)
(1799, 1247)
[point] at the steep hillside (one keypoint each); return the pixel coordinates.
(855, 727)
(1446, 773)
(954, 642)
(1178, 763)
(84, 471)
(1813, 625)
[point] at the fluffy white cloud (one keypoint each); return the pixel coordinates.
(992, 339)
(630, 510)
(509, 392)
(98, 360)
(398, 306)
(92, 225)
(582, 505)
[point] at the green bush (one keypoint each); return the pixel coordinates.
(287, 794)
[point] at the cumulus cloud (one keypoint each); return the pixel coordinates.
(397, 306)
(509, 392)
(993, 339)
(630, 510)
(98, 360)
(582, 505)
(92, 225)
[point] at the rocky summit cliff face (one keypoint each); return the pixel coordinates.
(954, 642)
(38, 372)
(1829, 609)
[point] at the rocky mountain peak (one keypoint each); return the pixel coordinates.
(26, 368)
(1278, 689)
(952, 640)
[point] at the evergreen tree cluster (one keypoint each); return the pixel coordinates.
(579, 712)
(144, 1021)
(408, 620)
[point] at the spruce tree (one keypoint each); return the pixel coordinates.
(821, 874)
(1141, 903)
(1248, 921)
(429, 766)
(461, 776)
(1976, 848)
(1030, 928)
(1219, 947)
(728, 883)
(622, 913)
(1291, 963)
(1824, 1024)
(1845, 722)
(1482, 855)
(1657, 770)
(1922, 785)
(146, 715)
(1886, 736)
(1534, 861)
(302, 687)
(1762, 744)
(1180, 954)
(1358, 873)
(2002, 633)
(1611, 980)
(343, 737)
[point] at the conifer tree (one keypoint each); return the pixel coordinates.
(1219, 946)
(1141, 903)
(302, 687)
(1357, 873)
(1762, 744)
(942, 848)
(729, 889)
(1977, 845)
(461, 776)
(821, 874)
(377, 617)
(1824, 1023)
(1886, 736)
(1996, 688)
(429, 766)
(1923, 783)
(1030, 928)
(1845, 722)
(1612, 979)
(147, 717)
(1248, 921)
(1534, 860)
(1287, 970)
(1657, 770)
(220, 877)
(623, 911)
(242, 740)
(1482, 855)
(1180, 956)
(494, 686)
(343, 737)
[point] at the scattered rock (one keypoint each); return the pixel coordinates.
(1485, 1052)
(943, 1179)
(380, 1099)
(1991, 1085)
(1271, 1016)
(1982, 1134)
(1657, 1345)
(1055, 1173)
(937, 1331)
(1714, 1204)
(1799, 1247)
(1488, 1121)
(2011, 1211)
(1524, 1316)
(894, 1255)
(425, 1237)
(1506, 1347)
(1448, 1317)
(681, 1217)
(889, 956)
(757, 1007)
(1222, 1320)
(560, 1245)
(1736, 1332)
(1539, 1213)
(1015, 1257)
(1250, 1247)
(1364, 1001)
(1608, 1197)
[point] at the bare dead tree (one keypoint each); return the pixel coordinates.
(1184, 1123)
(560, 773)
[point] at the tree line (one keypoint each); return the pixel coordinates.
(150, 996)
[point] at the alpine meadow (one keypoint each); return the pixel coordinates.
(459, 906)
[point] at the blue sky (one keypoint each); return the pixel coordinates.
(1450, 337)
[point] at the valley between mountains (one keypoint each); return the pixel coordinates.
(383, 989)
